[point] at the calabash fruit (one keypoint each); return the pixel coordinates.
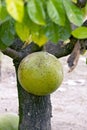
(40, 73)
(9, 121)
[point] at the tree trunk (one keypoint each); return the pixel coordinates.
(34, 111)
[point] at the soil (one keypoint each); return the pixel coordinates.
(69, 102)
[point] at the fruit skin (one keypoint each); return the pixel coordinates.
(40, 73)
(9, 121)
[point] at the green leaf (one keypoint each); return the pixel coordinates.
(85, 12)
(25, 28)
(51, 31)
(22, 30)
(28, 31)
(4, 16)
(16, 9)
(2, 46)
(75, 1)
(56, 11)
(39, 37)
(65, 31)
(55, 32)
(36, 11)
(40, 40)
(7, 33)
(74, 14)
(80, 33)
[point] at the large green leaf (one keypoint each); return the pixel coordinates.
(36, 11)
(7, 33)
(16, 9)
(74, 14)
(56, 11)
(80, 33)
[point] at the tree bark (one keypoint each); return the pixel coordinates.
(34, 111)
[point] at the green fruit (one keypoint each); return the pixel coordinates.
(40, 73)
(9, 122)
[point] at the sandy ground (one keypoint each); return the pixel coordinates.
(69, 102)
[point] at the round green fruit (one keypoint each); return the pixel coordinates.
(9, 121)
(40, 73)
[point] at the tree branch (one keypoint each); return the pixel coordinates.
(59, 50)
(11, 53)
(16, 50)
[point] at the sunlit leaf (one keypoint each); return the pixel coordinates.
(22, 30)
(16, 9)
(74, 14)
(39, 38)
(56, 11)
(80, 33)
(25, 28)
(75, 1)
(36, 11)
